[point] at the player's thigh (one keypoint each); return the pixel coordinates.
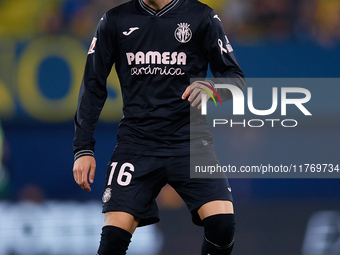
(121, 220)
(215, 207)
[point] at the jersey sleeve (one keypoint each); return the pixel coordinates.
(222, 60)
(93, 91)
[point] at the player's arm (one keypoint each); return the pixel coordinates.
(223, 63)
(92, 96)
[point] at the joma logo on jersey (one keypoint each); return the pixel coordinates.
(155, 57)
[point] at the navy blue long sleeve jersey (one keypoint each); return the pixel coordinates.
(155, 53)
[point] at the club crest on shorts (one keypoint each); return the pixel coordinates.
(107, 195)
(183, 33)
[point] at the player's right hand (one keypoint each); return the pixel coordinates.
(84, 169)
(194, 94)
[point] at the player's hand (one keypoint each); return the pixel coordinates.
(194, 93)
(84, 169)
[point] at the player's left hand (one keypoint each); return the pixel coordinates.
(194, 93)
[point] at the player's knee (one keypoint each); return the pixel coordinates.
(114, 240)
(219, 230)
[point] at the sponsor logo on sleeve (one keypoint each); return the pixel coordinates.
(228, 48)
(93, 45)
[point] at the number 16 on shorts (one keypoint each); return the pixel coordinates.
(124, 175)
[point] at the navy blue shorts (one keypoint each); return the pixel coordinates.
(134, 181)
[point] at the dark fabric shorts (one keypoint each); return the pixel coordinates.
(134, 181)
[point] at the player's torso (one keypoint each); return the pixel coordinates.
(161, 50)
(158, 54)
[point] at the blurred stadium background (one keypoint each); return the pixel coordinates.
(43, 47)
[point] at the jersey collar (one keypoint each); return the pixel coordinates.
(160, 12)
